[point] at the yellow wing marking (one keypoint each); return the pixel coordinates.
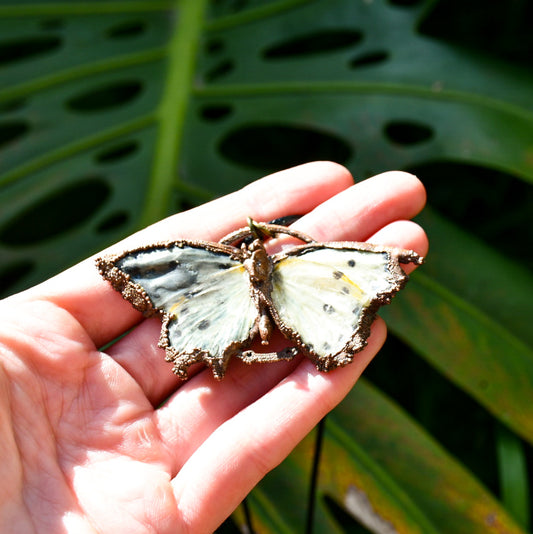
(181, 301)
(322, 283)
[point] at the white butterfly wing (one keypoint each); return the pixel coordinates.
(325, 297)
(204, 295)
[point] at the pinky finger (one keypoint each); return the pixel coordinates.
(403, 234)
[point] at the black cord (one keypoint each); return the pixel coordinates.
(311, 501)
(247, 516)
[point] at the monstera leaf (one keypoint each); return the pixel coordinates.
(115, 113)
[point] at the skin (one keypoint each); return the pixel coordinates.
(86, 445)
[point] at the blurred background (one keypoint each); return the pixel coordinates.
(114, 114)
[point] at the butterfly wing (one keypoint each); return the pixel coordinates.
(203, 293)
(325, 296)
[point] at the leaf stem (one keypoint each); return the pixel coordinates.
(253, 14)
(172, 109)
(358, 87)
(81, 71)
(70, 149)
(83, 8)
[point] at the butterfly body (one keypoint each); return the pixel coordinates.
(215, 298)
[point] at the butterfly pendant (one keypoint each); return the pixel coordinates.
(215, 298)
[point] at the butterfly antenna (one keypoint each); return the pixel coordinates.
(258, 230)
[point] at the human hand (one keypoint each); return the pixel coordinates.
(86, 445)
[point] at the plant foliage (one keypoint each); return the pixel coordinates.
(115, 113)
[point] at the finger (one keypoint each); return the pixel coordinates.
(104, 313)
(403, 234)
(145, 362)
(230, 462)
(361, 210)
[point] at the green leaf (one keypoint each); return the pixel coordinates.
(499, 286)
(450, 497)
(349, 475)
(92, 100)
(513, 475)
(467, 346)
(115, 113)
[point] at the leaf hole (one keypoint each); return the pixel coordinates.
(126, 30)
(314, 43)
(186, 204)
(12, 273)
(106, 97)
(407, 132)
(214, 46)
(215, 112)
(12, 105)
(220, 70)
(371, 58)
(277, 146)
(23, 49)
(112, 222)
(510, 39)
(10, 131)
(52, 24)
(57, 213)
(117, 152)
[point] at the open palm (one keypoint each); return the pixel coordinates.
(112, 441)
